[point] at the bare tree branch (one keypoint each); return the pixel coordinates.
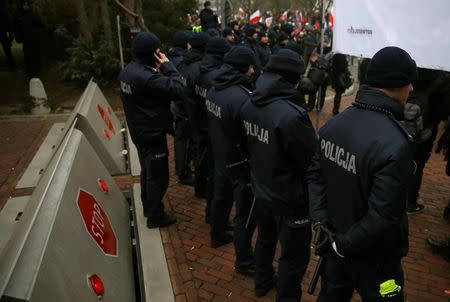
(139, 20)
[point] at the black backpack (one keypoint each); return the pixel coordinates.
(416, 113)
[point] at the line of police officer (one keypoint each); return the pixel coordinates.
(255, 148)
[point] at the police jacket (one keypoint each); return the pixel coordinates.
(264, 53)
(223, 106)
(176, 56)
(146, 95)
(281, 142)
(359, 176)
(254, 46)
(208, 68)
(190, 70)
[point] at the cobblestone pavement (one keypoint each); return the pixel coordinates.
(201, 273)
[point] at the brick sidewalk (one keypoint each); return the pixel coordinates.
(200, 273)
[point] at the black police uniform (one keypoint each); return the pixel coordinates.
(190, 68)
(183, 132)
(254, 46)
(224, 102)
(281, 142)
(209, 66)
(358, 187)
(146, 95)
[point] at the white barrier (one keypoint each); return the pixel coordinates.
(73, 241)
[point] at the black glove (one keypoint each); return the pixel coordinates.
(323, 239)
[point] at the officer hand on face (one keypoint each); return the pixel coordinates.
(160, 58)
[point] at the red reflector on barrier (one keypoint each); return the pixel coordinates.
(106, 133)
(97, 285)
(103, 185)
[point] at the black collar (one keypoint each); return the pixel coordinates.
(378, 99)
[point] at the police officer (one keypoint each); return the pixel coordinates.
(281, 142)
(209, 66)
(190, 69)
(264, 51)
(251, 41)
(183, 133)
(179, 47)
(223, 104)
(148, 84)
(358, 185)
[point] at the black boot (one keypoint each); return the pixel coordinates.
(222, 239)
(163, 221)
(440, 247)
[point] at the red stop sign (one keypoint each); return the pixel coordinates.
(97, 223)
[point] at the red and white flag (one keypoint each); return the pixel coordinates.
(255, 17)
(284, 16)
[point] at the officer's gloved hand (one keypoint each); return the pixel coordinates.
(323, 239)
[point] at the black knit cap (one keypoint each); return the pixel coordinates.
(287, 28)
(287, 62)
(227, 32)
(145, 44)
(391, 67)
(181, 38)
(240, 56)
(217, 45)
(199, 40)
(249, 30)
(282, 36)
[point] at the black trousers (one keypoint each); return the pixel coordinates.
(227, 189)
(6, 44)
(204, 170)
(182, 147)
(313, 97)
(295, 241)
(339, 281)
(337, 102)
(422, 154)
(154, 178)
(32, 57)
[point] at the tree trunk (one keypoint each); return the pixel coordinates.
(85, 33)
(106, 20)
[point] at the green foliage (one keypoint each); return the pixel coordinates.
(165, 17)
(97, 59)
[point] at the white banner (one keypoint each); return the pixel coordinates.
(422, 28)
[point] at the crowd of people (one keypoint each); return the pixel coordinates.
(235, 102)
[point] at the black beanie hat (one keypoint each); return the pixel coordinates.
(249, 30)
(217, 45)
(294, 46)
(287, 28)
(199, 40)
(145, 44)
(391, 67)
(240, 56)
(181, 38)
(288, 63)
(227, 32)
(282, 36)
